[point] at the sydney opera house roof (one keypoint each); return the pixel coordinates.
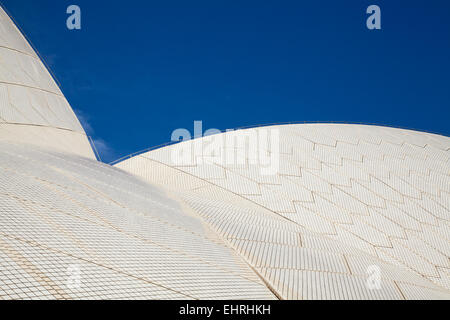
(336, 212)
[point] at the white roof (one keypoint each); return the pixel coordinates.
(344, 198)
(74, 228)
(313, 212)
(32, 108)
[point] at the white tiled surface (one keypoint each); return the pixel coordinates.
(31, 104)
(365, 194)
(129, 239)
(345, 198)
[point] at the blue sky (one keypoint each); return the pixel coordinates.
(137, 70)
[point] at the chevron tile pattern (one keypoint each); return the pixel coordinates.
(337, 211)
(345, 197)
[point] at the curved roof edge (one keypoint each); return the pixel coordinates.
(33, 110)
(166, 144)
(344, 200)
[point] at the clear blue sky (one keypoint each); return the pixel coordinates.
(140, 69)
